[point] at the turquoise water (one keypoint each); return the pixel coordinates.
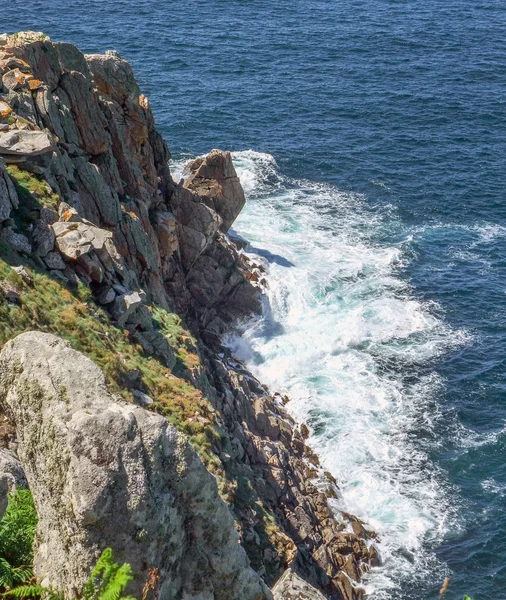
(371, 140)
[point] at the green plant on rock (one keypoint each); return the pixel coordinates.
(12, 576)
(34, 193)
(70, 313)
(17, 531)
(107, 581)
(183, 343)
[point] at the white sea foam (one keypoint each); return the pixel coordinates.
(345, 338)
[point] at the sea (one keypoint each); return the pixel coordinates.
(370, 138)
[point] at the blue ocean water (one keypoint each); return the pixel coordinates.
(371, 140)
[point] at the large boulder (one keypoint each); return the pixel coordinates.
(74, 240)
(106, 473)
(213, 178)
(198, 225)
(24, 143)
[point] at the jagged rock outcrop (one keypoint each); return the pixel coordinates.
(100, 469)
(213, 178)
(113, 219)
(109, 164)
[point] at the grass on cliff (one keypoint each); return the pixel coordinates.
(17, 531)
(48, 305)
(33, 193)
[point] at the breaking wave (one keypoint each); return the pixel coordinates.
(343, 335)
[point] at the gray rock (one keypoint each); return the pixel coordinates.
(292, 587)
(106, 473)
(141, 399)
(8, 291)
(59, 275)
(55, 261)
(106, 296)
(18, 242)
(8, 196)
(23, 273)
(165, 229)
(75, 239)
(4, 493)
(92, 266)
(11, 477)
(213, 177)
(160, 347)
(24, 143)
(120, 289)
(198, 225)
(48, 215)
(43, 238)
(124, 305)
(141, 317)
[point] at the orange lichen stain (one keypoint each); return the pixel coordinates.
(5, 109)
(35, 84)
(143, 102)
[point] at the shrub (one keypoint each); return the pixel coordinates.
(17, 530)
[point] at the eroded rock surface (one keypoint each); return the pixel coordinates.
(100, 469)
(8, 196)
(24, 143)
(214, 178)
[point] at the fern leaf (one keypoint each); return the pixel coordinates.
(25, 591)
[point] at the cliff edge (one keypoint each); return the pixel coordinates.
(99, 246)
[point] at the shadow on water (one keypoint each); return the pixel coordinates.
(270, 257)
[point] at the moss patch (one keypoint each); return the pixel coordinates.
(33, 193)
(47, 305)
(182, 342)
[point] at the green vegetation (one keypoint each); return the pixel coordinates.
(17, 530)
(33, 193)
(181, 341)
(47, 305)
(107, 581)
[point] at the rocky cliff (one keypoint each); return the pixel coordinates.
(102, 248)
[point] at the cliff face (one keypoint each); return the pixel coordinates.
(87, 201)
